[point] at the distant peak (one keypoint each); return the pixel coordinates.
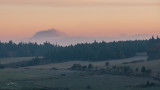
(48, 33)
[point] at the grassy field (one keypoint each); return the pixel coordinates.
(154, 65)
(66, 65)
(13, 60)
(41, 76)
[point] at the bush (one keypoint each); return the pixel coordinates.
(90, 66)
(76, 67)
(1, 66)
(84, 68)
(53, 68)
(89, 87)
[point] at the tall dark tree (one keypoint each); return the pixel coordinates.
(90, 66)
(107, 64)
(143, 69)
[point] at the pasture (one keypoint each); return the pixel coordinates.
(65, 65)
(14, 59)
(66, 79)
(44, 77)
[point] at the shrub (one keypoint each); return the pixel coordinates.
(89, 87)
(76, 67)
(90, 66)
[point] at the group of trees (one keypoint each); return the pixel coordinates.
(106, 50)
(154, 49)
(85, 51)
(11, 49)
(128, 69)
(98, 51)
(80, 67)
(113, 69)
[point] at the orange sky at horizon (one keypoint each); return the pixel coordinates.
(20, 19)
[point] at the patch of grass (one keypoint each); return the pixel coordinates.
(74, 80)
(66, 65)
(15, 59)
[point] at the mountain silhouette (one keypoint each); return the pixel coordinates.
(48, 34)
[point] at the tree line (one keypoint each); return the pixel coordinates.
(11, 49)
(154, 49)
(98, 51)
(84, 51)
(106, 50)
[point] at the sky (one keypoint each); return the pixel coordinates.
(23, 18)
